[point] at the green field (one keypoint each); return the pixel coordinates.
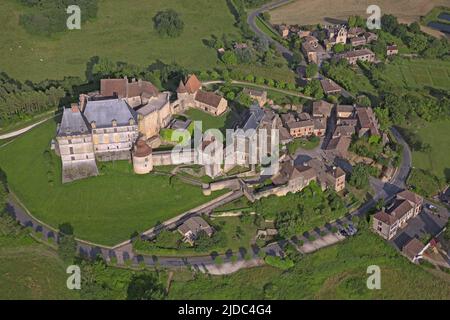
(337, 272)
(122, 31)
(438, 160)
(419, 73)
(29, 270)
(106, 209)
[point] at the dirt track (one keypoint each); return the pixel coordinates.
(331, 11)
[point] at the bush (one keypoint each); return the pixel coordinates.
(218, 260)
(280, 263)
(168, 23)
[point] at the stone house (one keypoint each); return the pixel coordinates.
(192, 227)
(330, 87)
(328, 176)
(335, 35)
(354, 56)
(283, 30)
(298, 125)
(404, 207)
(257, 95)
(314, 52)
(391, 50)
(322, 109)
(367, 122)
(358, 41)
(345, 111)
(413, 250)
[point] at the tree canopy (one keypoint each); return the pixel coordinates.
(168, 23)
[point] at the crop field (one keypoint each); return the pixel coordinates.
(305, 12)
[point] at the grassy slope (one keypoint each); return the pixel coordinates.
(31, 271)
(104, 209)
(337, 272)
(438, 160)
(122, 31)
(419, 73)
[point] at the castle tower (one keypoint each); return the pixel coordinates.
(142, 158)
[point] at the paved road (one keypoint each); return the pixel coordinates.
(251, 20)
(23, 130)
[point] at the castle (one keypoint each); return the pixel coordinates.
(122, 121)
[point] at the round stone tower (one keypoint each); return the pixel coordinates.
(142, 158)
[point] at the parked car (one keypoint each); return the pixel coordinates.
(343, 232)
(431, 207)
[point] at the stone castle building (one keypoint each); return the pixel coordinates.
(106, 125)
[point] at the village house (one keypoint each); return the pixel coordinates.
(355, 32)
(328, 176)
(413, 250)
(257, 95)
(283, 30)
(404, 207)
(391, 50)
(335, 35)
(190, 94)
(294, 177)
(345, 111)
(330, 87)
(339, 146)
(358, 41)
(299, 125)
(322, 109)
(314, 52)
(192, 227)
(354, 56)
(367, 122)
(370, 37)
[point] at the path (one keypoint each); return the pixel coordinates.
(23, 130)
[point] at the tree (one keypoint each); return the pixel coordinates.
(145, 287)
(311, 70)
(338, 48)
(67, 247)
(229, 58)
(168, 23)
(360, 176)
(314, 89)
(389, 23)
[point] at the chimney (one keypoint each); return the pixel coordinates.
(74, 108)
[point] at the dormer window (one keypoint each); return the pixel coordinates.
(93, 125)
(114, 123)
(131, 122)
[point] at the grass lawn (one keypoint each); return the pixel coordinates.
(29, 270)
(436, 135)
(122, 31)
(106, 209)
(209, 121)
(264, 27)
(419, 73)
(301, 143)
(337, 272)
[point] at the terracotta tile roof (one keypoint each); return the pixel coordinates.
(340, 144)
(209, 98)
(181, 88)
(329, 86)
(322, 107)
(192, 84)
(123, 89)
(367, 119)
(384, 217)
(413, 248)
(410, 196)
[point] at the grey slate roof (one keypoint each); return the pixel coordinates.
(256, 114)
(103, 112)
(72, 123)
(154, 104)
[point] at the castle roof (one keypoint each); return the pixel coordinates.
(103, 112)
(181, 88)
(121, 88)
(192, 84)
(141, 149)
(209, 98)
(72, 122)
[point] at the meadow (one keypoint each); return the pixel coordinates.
(106, 209)
(419, 73)
(437, 160)
(122, 31)
(337, 272)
